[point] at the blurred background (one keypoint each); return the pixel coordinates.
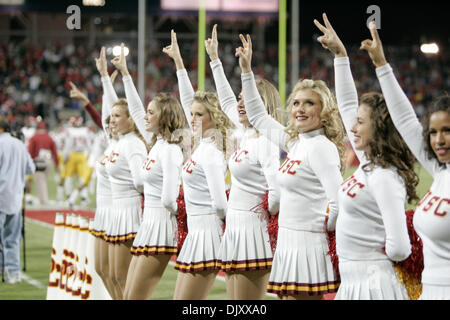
(39, 54)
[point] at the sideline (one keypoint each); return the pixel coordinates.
(35, 283)
(39, 222)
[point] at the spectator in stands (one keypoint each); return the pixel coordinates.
(15, 164)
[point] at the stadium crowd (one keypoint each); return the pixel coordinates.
(35, 79)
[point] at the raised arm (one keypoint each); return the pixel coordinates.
(398, 104)
(135, 105)
(109, 94)
(227, 99)
(254, 105)
(184, 84)
(346, 94)
(76, 94)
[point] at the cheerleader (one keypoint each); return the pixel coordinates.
(123, 168)
(204, 186)
(245, 252)
(103, 187)
(156, 239)
(371, 230)
(430, 144)
(309, 179)
(104, 211)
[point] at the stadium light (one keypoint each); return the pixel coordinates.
(116, 51)
(429, 48)
(94, 3)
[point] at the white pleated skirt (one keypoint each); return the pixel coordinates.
(245, 245)
(369, 280)
(435, 292)
(301, 264)
(201, 247)
(102, 216)
(157, 233)
(126, 217)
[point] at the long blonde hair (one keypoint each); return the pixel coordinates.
(220, 120)
(329, 116)
(122, 104)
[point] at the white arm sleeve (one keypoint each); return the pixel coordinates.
(269, 158)
(136, 155)
(136, 107)
(390, 193)
(213, 168)
(324, 161)
(172, 160)
(404, 117)
(347, 99)
(109, 98)
(186, 93)
(257, 114)
(227, 99)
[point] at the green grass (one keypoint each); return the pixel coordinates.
(38, 240)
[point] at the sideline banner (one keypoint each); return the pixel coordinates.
(72, 273)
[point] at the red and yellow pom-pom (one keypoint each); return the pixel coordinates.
(332, 250)
(272, 229)
(181, 220)
(410, 270)
(272, 220)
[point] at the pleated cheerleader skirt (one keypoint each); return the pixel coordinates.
(125, 220)
(301, 265)
(157, 233)
(103, 214)
(245, 245)
(435, 292)
(201, 247)
(369, 280)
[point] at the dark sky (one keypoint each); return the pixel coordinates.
(401, 21)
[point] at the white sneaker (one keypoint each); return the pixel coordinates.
(13, 279)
